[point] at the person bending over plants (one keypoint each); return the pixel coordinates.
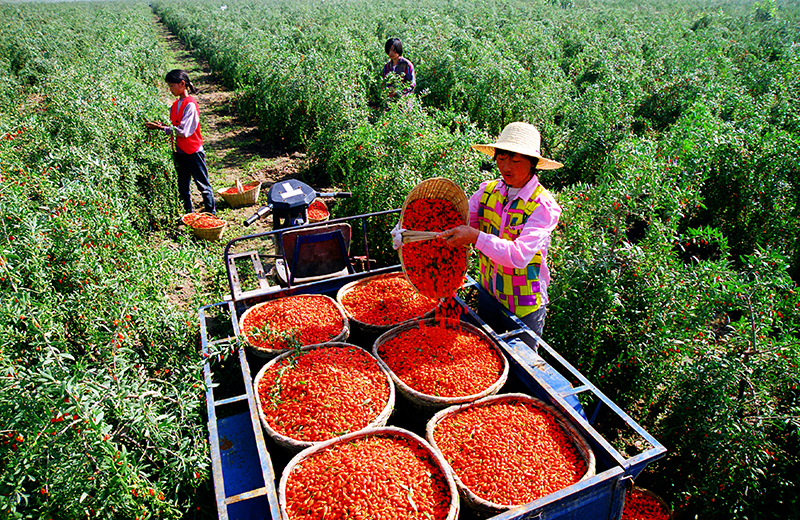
(510, 221)
(398, 67)
(187, 141)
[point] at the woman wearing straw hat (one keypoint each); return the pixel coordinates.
(510, 221)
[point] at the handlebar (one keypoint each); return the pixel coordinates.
(335, 195)
(263, 210)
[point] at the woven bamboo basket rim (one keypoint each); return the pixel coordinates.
(655, 497)
(242, 198)
(434, 188)
(438, 188)
(484, 506)
(268, 353)
(296, 445)
(374, 327)
(327, 210)
(189, 221)
(431, 402)
(453, 507)
(209, 233)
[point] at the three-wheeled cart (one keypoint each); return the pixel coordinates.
(247, 464)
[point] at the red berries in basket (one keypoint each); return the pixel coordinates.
(436, 269)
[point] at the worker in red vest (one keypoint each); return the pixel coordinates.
(187, 141)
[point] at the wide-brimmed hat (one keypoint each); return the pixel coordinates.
(520, 138)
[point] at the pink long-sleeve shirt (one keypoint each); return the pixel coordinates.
(534, 236)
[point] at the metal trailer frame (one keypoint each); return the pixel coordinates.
(244, 475)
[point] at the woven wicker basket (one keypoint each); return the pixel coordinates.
(319, 203)
(247, 194)
(484, 507)
(212, 233)
(295, 445)
(429, 403)
(453, 505)
(373, 327)
(435, 188)
(268, 353)
(438, 188)
(654, 497)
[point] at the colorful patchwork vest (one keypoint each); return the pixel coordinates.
(516, 289)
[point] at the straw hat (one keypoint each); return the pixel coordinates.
(520, 138)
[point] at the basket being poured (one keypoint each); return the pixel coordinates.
(434, 268)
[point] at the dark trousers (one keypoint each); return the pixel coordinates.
(193, 166)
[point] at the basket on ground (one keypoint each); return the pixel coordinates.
(338, 384)
(384, 472)
(434, 268)
(451, 357)
(205, 225)
(378, 303)
(273, 327)
(503, 437)
(643, 503)
(241, 194)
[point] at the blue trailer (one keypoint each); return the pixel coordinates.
(247, 465)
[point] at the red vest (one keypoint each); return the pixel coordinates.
(187, 144)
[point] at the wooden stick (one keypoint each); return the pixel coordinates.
(417, 236)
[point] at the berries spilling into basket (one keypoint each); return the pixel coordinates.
(323, 392)
(245, 187)
(377, 475)
(643, 505)
(509, 452)
(436, 269)
(293, 320)
(202, 221)
(442, 361)
(385, 300)
(318, 211)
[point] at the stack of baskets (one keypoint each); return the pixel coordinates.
(244, 195)
(205, 232)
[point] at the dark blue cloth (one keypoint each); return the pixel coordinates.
(193, 166)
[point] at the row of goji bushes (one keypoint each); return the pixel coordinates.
(100, 383)
(677, 126)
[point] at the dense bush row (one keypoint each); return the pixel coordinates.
(101, 398)
(677, 124)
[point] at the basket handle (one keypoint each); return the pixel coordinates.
(418, 236)
(239, 188)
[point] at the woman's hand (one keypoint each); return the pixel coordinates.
(154, 125)
(460, 236)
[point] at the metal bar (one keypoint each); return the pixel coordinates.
(630, 464)
(231, 400)
(267, 470)
(245, 496)
(213, 433)
(366, 242)
(230, 269)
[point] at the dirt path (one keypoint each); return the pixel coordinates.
(232, 145)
